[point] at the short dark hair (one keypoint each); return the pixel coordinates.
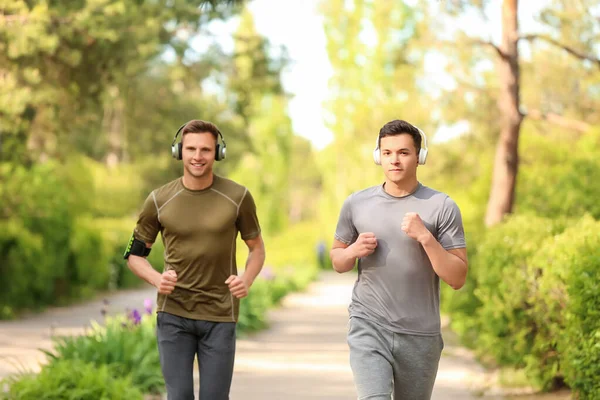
(199, 126)
(399, 127)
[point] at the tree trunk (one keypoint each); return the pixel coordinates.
(113, 126)
(506, 162)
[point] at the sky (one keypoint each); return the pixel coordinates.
(297, 25)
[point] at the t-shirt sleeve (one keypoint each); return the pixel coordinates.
(345, 231)
(148, 226)
(451, 233)
(247, 220)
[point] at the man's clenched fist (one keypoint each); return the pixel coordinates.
(237, 286)
(414, 227)
(365, 244)
(168, 279)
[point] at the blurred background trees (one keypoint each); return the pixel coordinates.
(92, 92)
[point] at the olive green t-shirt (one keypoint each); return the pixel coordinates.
(199, 230)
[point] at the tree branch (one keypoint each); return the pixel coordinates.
(490, 44)
(576, 53)
(559, 120)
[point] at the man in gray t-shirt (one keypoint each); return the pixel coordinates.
(406, 237)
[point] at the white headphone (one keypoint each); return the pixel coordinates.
(422, 152)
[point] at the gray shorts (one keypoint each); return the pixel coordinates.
(180, 340)
(384, 362)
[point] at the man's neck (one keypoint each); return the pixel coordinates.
(401, 189)
(201, 183)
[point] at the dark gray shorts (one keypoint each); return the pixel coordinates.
(383, 362)
(180, 340)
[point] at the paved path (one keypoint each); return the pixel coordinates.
(303, 355)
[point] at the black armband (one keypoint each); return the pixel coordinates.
(137, 248)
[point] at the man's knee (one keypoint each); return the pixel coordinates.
(180, 392)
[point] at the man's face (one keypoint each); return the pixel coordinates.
(198, 153)
(399, 158)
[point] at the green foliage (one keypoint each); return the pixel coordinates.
(565, 297)
(573, 171)
(46, 236)
(529, 301)
(88, 267)
(18, 247)
(495, 319)
(267, 292)
(259, 99)
(126, 346)
(253, 308)
(290, 266)
(62, 60)
(72, 380)
(117, 191)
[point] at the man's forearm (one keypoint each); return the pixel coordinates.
(142, 268)
(254, 263)
(342, 259)
(449, 267)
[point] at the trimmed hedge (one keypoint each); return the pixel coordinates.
(533, 301)
(565, 299)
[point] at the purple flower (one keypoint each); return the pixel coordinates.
(136, 317)
(148, 306)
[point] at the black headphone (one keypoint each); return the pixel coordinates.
(176, 148)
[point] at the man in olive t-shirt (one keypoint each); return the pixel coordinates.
(199, 216)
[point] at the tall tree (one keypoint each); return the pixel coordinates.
(375, 65)
(506, 162)
(60, 62)
(258, 98)
(559, 18)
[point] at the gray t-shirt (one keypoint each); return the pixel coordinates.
(397, 286)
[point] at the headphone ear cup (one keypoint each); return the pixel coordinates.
(422, 156)
(176, 151)
(377, 156)
(220, 152)
(179, 150)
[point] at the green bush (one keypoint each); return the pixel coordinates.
(565, 289)
(88, 268)
(44, 238)
(564, 183)
(72, 380)
(125, 343)
(118, 191)
(37, 201)
(254, 307)
(536, 285)
(267, 291)
(294, 247)
(501, 328)
(462, 304)
(19, 251)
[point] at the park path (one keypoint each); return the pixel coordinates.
(303, 354)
